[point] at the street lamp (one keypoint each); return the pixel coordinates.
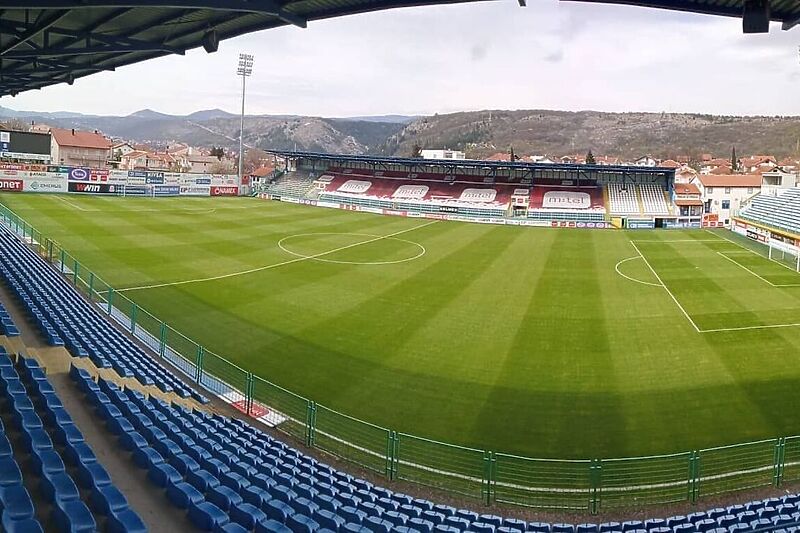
(245, 69)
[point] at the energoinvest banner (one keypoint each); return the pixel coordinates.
(166, 190)
(195, 190)
(45, 185)
(225, 191)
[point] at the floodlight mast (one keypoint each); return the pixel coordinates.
(244, 69)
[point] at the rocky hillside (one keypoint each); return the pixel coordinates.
(629, 135)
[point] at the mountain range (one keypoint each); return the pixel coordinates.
(479, 133)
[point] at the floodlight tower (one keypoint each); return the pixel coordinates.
(245, 69)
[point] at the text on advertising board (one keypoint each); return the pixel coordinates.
(224, 191)
(10, 185)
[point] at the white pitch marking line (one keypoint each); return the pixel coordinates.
(674, 299)
(616, 267)
(75, 206)
(422, 250)
(737, 263)
(745, 328)
(759, 255)
(275, 265)
(675, 240)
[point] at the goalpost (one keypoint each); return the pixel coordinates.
(784, 254)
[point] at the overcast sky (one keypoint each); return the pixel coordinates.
(493, 55)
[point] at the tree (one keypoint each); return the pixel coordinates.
(416, 151)
(253, 159)
(218, 152)
(16, 124)
(734, 161)
(590, 160)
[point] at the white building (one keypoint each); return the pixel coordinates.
(723, 195)
(442, 154)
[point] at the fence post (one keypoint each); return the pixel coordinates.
(489, 472)
(49, 251)
(75, 266)
(595, 482)
(694, 476)
(780, 461)
(162, 340)
(198, 374)
(389, 454)
(249, 387)
(91, 287)
(311, 420)
(394, 454)
(110, 298)
(134, 308)
(63, 258)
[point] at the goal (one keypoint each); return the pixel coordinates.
(785, 254)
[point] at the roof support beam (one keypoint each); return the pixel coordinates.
(264, 7)
(91, 50)
(791, 23)
(44, 21)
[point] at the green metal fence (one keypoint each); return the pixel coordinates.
(483, 475)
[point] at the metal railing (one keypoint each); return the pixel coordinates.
(483, 475)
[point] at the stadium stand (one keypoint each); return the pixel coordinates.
(227, 474)
(66, 318)
(293, 184)
(52, 453)
(646, 199)
(781, 211)
(622, 199)
(7, 326)
(567, 203)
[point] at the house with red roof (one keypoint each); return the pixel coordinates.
(76, 148)
(723, 195)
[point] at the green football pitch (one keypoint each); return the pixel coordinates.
(542, 342)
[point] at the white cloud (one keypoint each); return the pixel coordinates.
(464, 57)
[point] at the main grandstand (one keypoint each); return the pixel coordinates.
(517, 193)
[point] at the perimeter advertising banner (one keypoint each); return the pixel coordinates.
(225, 191)
(45, 185)
(9, 185)
(195, 190)
(92, 188)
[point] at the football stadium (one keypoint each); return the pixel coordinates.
(376, 344)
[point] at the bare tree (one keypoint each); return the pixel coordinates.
(16, 124)
(253, 159)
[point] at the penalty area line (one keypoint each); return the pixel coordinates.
(276, 265)
(674, 299)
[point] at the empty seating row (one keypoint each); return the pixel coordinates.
(654, 201)
(7, 326)
(622, 199)
(780, 211)
(62, 463)
(230, 476)
(66, 318)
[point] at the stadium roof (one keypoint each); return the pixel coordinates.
(45, 42)
(382, 162)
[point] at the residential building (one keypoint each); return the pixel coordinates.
(645, 161)
(139, 160)
(689, 200)
(756, 163)
(209, 164)
(724, 195)
(79, 148)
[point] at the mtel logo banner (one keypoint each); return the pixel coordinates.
(11, 185)
(92, 188)
(225, 191)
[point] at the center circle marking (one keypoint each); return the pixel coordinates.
(314, 257)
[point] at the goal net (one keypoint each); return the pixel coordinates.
(785, 254)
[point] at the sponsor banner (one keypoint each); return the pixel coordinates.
(45, 185)
(377, 210)
(92, 188)
(227, 191)
(58, 170)
(287, 199)
(12, 166)
(23, 155)
(137, 174)
(391, 212)
(79, 174)
(166, 190)
(118, 176)
(154, 180)
(98, 175)
(46, 175)
(11, 173)
(11, 185)
(194, 190)
(566, 199)
(202, 181)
